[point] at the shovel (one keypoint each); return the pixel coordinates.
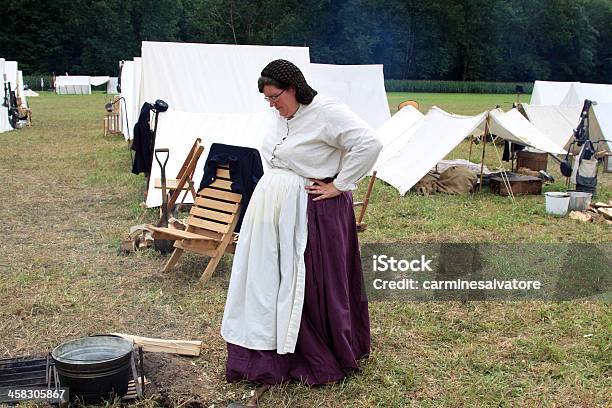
(163, 245)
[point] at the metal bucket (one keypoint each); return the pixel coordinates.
(95, 369)
(579, 201)
(557, 203)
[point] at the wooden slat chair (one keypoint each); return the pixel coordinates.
(183, 183)
(210, 225)
(361, 226)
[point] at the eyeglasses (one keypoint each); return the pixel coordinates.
(274, 98)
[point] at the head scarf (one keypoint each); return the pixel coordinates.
(288, 73)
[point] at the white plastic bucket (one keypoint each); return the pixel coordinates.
(579, 201)
(557, 203)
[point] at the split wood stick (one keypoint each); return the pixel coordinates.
(182, 347)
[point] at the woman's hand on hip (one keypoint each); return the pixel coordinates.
(323, 190)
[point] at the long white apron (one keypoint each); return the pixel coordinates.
(266, 291)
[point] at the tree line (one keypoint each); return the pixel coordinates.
(465, 40)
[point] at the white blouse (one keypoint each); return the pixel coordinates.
(323, 139)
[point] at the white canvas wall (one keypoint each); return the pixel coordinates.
(361, 87)
(549, 92)
(21, 93)
(178, 130)
(436, 136)
(4, 121)
(69, 84)
(601, 93)
(556, 122)
(137, 90)
(98, 80)
(513, 126)
(111, 85)
(600, 123)
(10, 69)
(212, 78)
(5, 126)
(127, 92)
(396, 132)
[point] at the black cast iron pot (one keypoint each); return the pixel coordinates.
(95, 369)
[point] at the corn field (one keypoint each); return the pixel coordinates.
(396, 85)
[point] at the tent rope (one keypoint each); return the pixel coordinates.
(504, 174)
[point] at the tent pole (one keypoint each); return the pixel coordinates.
(484, 144)
(471, 143)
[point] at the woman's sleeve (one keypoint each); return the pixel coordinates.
(359, 144)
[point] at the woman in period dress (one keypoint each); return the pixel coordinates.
(295, 309)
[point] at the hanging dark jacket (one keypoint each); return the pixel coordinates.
(245, 170)
(141, 144)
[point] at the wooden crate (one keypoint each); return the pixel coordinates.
(532, 160)
(521, 185)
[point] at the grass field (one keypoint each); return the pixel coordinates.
(462, 104)
(70, 199)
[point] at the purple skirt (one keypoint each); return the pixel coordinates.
(335, 325)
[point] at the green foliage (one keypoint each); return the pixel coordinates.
(457, 40)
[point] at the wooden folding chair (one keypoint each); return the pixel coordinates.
(184, 179)
(361, 226)
(112, 121)
(210, 225)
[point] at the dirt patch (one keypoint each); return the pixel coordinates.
(176, 380)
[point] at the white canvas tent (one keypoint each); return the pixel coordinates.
(127, 92)
(10, 70)
(4, 120)
(600, 123)
(395, 132)
(131, 74)
(217, 83)
(578, 93)
(98, 80)
(211, 78)
(556, 122)
(555, 106)
(9, 74)
(20, 91)
(513, 127)
(137, 91)
(72, 84)
(111, 85)
(549, 92)
(361, 87)
(12, 77)
(212, 93)
(81, 84)
(434, 136)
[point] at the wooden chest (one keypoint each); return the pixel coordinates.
(519, 183)
(532, 160)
